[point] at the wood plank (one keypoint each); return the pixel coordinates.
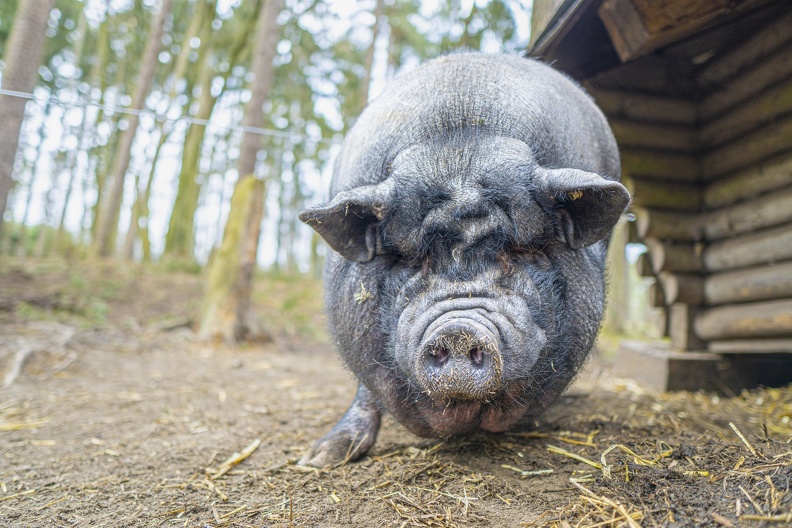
(770, 175)
(767, 246)
(759, 283)
(757, 111)
(750, 320)
(644, 264)
(681, 327)
(667, 225)
(625, 26)
(684, 288)
(751, 346)
(658, 367)
(542, 14)
(670, 166)
(680, 257)
(656, 298)
(755, 147)
(728, 65)
(773, 69)
(654, 136)
(637, 27)
(645, 107)
(656, 194)
(768, 210)
(659, 75)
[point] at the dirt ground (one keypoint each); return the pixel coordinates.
(115, 415)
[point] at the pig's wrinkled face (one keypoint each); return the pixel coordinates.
(470, 306)
(475, 243)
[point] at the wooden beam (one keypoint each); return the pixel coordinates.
(668, 225)
(760, 283)
(644, 264)
(753, 148)
(660, 75)
(670, 166)
(765, 73)
(644, 107)
(681, 329)
(655, 136)
(768, 210)
(658, 367)
(637, 27)
(752, 346)
(757, 48)
(760, 110)
(656, 194)
(750, 320)
(656, 298)
(680, 257)
(770, 245)
(770, 175)
(684, 288)
(542, 14)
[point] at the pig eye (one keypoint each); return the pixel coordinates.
(569, 196)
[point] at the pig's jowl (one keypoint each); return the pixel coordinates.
(472, 204)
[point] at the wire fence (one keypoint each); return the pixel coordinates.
(163, 118)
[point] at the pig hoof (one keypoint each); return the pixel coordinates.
(350, 439)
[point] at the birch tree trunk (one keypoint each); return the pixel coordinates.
(225, 311)
(22, 59)
(368, 65)
(108, 225)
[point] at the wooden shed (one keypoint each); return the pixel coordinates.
(699, 96)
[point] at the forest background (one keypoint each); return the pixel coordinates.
(145, 120)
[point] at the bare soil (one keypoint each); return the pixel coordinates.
(119, 416)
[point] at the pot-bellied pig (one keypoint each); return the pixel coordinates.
(472, 205)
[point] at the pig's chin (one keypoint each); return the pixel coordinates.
(462, 417)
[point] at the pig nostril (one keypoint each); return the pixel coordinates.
(439, 356)
(477, 356)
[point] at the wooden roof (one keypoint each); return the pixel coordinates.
(585, 37)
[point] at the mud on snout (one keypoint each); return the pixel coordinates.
(467, 349)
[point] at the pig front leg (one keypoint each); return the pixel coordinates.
(352, 436)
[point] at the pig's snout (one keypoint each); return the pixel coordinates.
(460, 359)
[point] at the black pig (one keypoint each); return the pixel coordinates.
(473, 201)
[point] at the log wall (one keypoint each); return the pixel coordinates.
(710, 170)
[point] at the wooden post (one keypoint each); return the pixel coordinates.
(681, 327)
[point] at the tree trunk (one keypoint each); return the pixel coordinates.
(22, 59)
(105, 236)
(179, 238)
(140, 207)
(368, 65)
(81, 132)
(225, 312)
(22, 249)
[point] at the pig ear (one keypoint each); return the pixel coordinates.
(349, 222)
(587, 205)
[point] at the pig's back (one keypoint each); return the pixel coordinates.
(489, 94)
